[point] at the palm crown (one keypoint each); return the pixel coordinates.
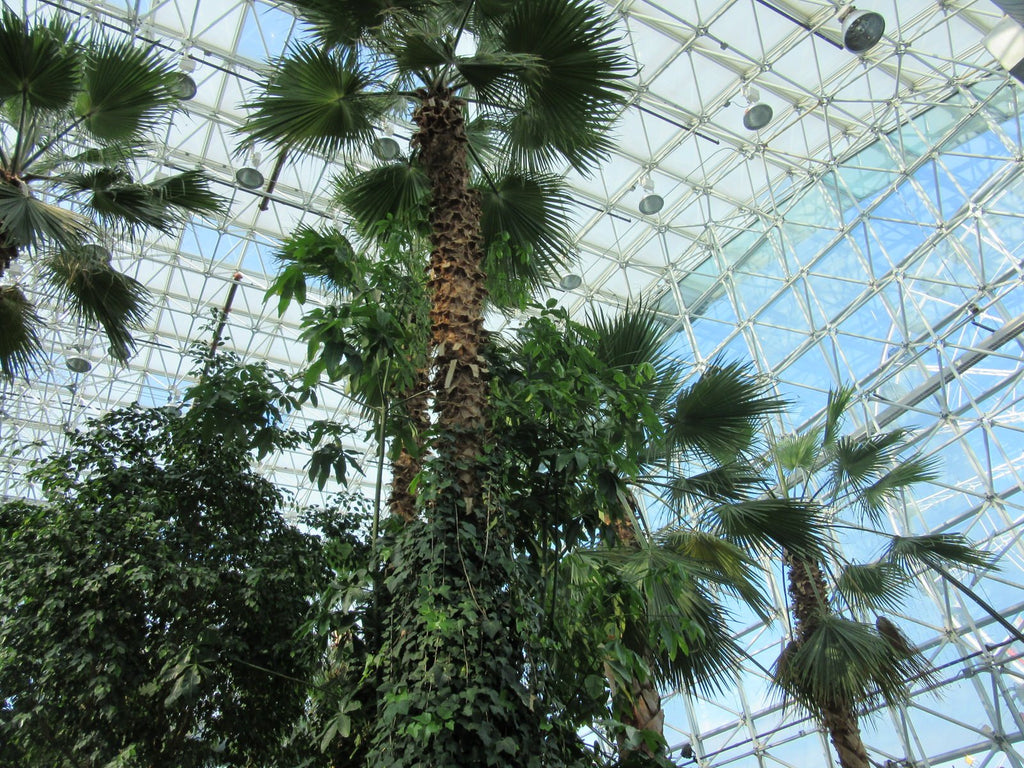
(74, 112)
(541, 86)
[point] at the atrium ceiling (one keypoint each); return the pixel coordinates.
(869, 233)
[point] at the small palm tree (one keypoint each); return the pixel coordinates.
(74, 112)
(837, 666)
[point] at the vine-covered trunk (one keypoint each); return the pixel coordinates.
(452, 664)
(807, 590)
(457, 287)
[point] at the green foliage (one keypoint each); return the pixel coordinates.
(152, 602)
(74, 111)
(19, 344)
(97, 293)
(845, 664)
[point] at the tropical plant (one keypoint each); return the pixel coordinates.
(75, 112)
(597, 426)
(836, 665)
(152, 602)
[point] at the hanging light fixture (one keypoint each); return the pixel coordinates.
(758, 114)
(651, 203)
(184, 85)
(77, 364)
(862, 29)
(249, 176)
(386, 148)
(570, 282)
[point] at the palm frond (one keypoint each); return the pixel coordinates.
(766, 525)
(798, 451)
(857, 462)
(669, 616)
(42, 64)
(877, 586)
(319, 101)
(399, 191)
(347, 22)
(571, 76)
(937, 549)
(727, 482)
(887, 488)
(97, 293)
(27, 220)
(531, 210)
(119, 201)
(19, 332)
(720, 562)
(835, 410)
(127, 91)
(847, 664)
(718, 413)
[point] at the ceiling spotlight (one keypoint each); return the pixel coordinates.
(249, 177)
(862, 30)
(570, 282)
(78, 364)
(651, 203)
(757, 115)
(183, 87)
(386, 148)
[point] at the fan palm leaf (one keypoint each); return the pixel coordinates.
(40, 64)
(936, 549)
(398, 191)
(798, 452)
(19, 332)
(347, 22)
(532, 211)
(572, 89)
(729, 482)
(126, 91)
(97, 293)
(321, 101)
(716, 415)
(119, 202)
(847, 664)
(877, 586)
(766, 525)
(26, 220)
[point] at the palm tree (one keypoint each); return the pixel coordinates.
(836, 666)
(541, 88)
(75, 111)
(544, 83)
(618, 429)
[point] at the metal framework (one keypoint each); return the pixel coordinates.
(871, 233)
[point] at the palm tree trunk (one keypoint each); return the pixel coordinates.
(844, 733)
(457, 284)
(807, 589)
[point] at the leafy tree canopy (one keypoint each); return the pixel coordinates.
(151, 604)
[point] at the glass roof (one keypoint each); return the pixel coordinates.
(870, 233)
